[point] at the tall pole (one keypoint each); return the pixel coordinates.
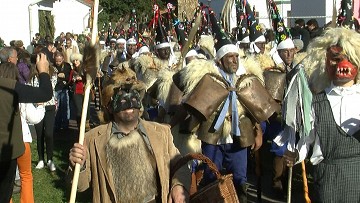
(89, 80)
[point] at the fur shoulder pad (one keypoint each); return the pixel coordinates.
(265, 61)
(194, 71)
(253, 67)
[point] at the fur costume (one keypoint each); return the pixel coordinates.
(120, 76)
(103, 54)
(186, 142)
(207, 44)
(265, 61)
(193, 73)
(316, 55)
(131, 152)
(164, 80)
(146, 67)
(298, 58)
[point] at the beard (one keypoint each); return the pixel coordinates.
(128, 115)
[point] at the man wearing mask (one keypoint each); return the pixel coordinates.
(333, 64)
(126, 152)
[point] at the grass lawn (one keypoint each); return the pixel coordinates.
(51, 187)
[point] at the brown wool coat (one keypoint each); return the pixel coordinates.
(99, 177)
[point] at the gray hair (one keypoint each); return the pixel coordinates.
(5, 53)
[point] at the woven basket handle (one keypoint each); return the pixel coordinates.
(184, 160)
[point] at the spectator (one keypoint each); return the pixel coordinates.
(304, 33)
(45, 128)
(8, 54)
(62, 92)
(313, 28)
(11, 147)
(78, 80)
(49, 50)
(69, 49)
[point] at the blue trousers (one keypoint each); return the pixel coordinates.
(230, 157)
(63, 113)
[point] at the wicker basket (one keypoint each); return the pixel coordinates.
(220, 191)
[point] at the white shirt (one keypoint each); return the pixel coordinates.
(344, 102)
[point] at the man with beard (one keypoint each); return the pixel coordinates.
(125, 57)
(120, 47)
(334, 120)
(219, 130)
(129, 159)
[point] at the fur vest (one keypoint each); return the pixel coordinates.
(131, 152)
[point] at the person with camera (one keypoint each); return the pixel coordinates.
(12, 93)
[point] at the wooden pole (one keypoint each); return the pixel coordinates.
(89, 80)
(333, 20)
(306, 189)
(289, 185)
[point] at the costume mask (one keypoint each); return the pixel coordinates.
(125, 98)
(338, 66)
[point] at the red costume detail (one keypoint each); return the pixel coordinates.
(338, 66)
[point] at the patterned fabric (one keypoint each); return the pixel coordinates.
(35, 83)
(337, 176)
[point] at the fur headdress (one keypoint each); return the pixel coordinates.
(314, 63)
(120, 77)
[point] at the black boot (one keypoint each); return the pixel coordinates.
(241, 191)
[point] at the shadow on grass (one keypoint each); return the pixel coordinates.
(63, 141)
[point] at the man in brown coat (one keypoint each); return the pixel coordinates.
(129, 159)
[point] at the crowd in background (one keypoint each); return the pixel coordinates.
(68, 77)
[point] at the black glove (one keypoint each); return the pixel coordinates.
(290, 158)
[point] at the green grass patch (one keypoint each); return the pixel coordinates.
(52, 187)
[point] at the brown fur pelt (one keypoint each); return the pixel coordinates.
(90, 61)
(314, 63)
(121, 76)
(131, 152)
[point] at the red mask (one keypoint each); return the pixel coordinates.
(338, 66)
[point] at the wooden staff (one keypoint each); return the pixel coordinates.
(289, 185)
(90, 64)
(333, 20)
(306, 189)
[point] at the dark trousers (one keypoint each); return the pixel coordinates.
(230, 157)
(7, 176)
(78, 101)
(279, 173)
(45, 133)
(63, 112)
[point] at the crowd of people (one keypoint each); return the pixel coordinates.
(160, 95)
